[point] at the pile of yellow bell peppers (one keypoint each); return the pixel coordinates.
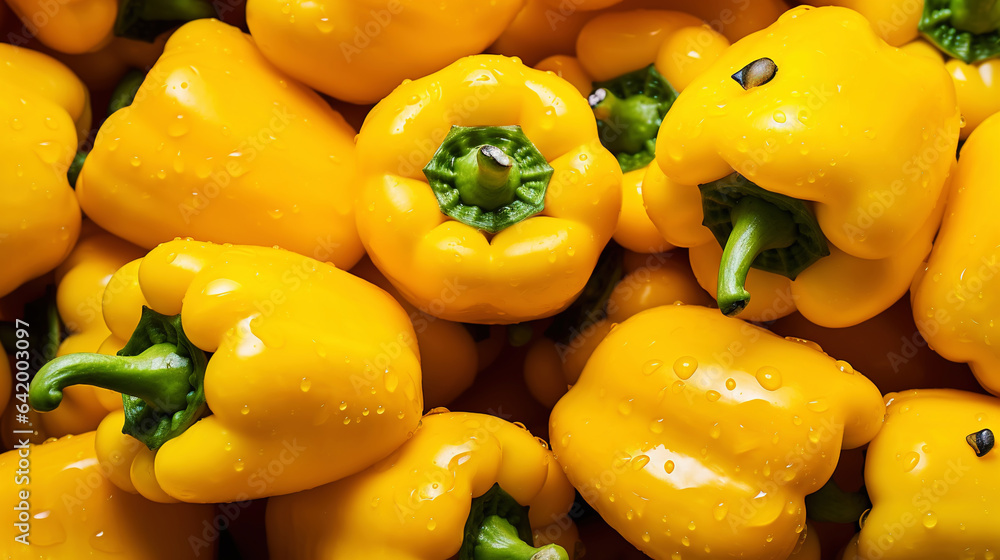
(695, 279)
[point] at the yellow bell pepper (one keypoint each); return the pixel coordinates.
(823, 173)
(80, 26)
(897, 23)
(60, 505)
(930, 473)
(640, 282)
(486, 196)
(465, 484)
(977, 90)
(451, 354)
(359, 51)
(894, 21)
(954, 299)
(299, 393)
(639, 60)
(718, 430)
(888, 348)
(197, 155)
(82, 280)
(550, 27)
(47, 109)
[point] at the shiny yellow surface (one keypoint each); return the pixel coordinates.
(613, 44)
(808, 547)
(541, 30)
(569, 69)
(75, 512)
(197, 155)
(869, 144)
(932, 497)
(45, 109)
(717, 430)
(650, 281)
(69, 26)
(413, 504)
(82, 279)
(359, 50)
(894, 21)
(301, 392)
(954, 300)
(978, 89)
(530, 270)
(449, 355)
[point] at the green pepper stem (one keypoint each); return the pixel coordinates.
(487, 177)
(757, 226)
(833, 505)
(630, 123)
(498, 540)
(75, 167)
(159, 376)
(975, 16)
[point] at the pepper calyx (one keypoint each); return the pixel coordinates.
(488, 177)
(968, 30)
(159, 372)
(498, 529)
(759, 229)
(145, 20)
(629, 110)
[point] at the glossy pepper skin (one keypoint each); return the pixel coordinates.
(720, 429)
(81, 26)
(893, 354)
(293, 378)
(450, 354)
(75, 27)
(824, 133)
(358, 51)
(649, 281)
(609, 48)
(542, 29)
(894, 21)
(413, 505)
(976, 85)
(194, 155)
(48, 110)
(75, 512)
(954, 298)
(84, 280)
(932, 496)
(531, 268)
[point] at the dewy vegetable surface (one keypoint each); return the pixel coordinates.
(264, 339)
(698, 436)
(457, 486)
(521, 244)
(856, 135)
(195, 155)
